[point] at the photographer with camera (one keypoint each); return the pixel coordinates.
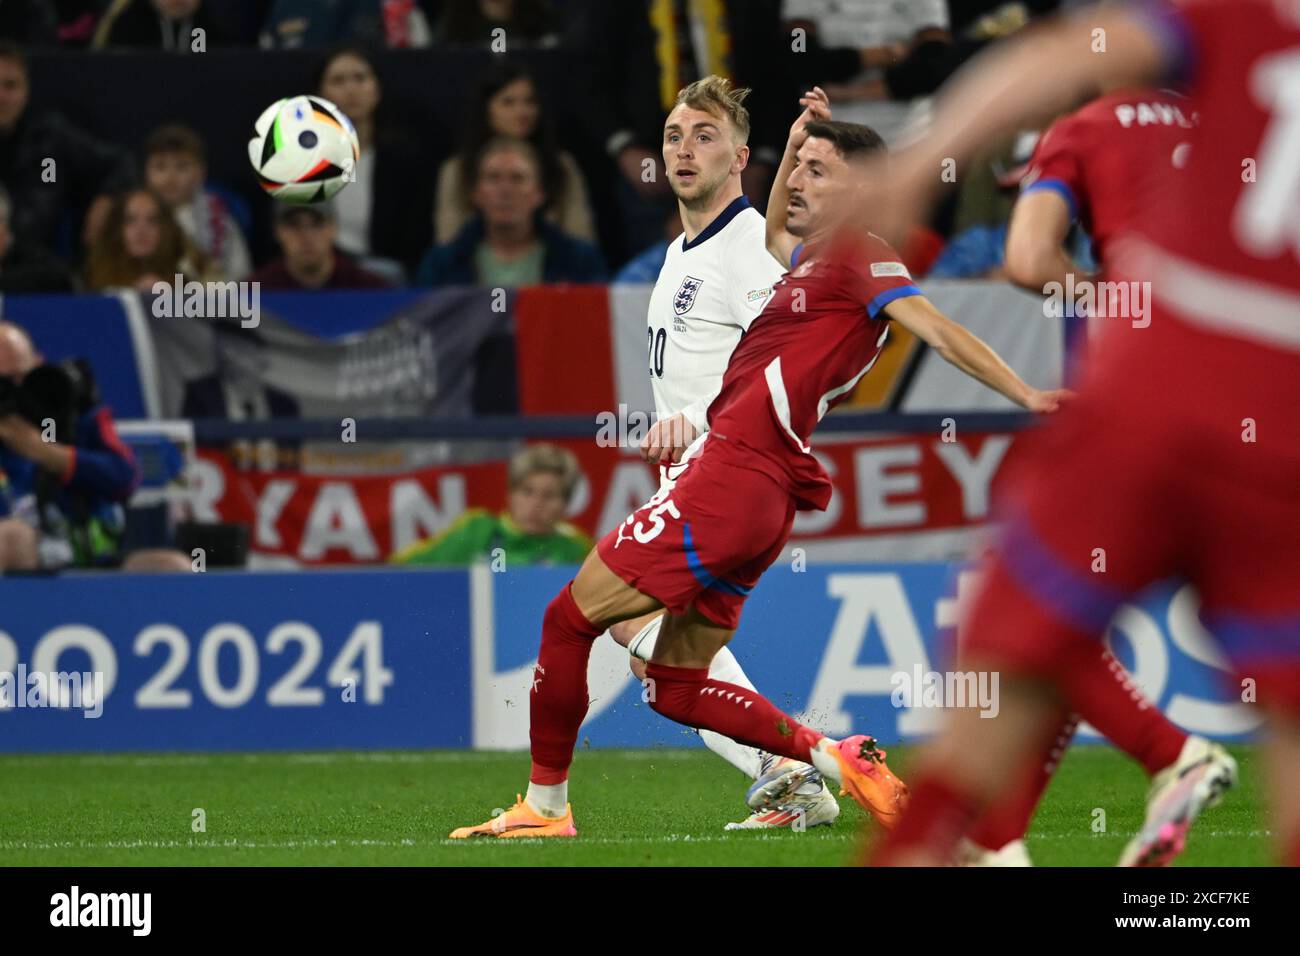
(64, 473)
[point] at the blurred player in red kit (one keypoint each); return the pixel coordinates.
(1180, 456)
(1105, 166)
(698, 548)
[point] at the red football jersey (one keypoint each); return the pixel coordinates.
(1113, 160)
(821, 331)
(1225, 254)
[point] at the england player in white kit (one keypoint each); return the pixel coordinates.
(715, 281)
(709, 290)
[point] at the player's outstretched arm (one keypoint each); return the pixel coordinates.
(1042, 73)
(779, 242)
(1035, 255)
(967, 352)
(1026, 79)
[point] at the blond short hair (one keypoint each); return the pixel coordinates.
(716, 96)
(545, 459)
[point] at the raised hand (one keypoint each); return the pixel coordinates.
(816, 106)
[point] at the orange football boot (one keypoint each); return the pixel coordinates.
(521, 820)
(866, 778)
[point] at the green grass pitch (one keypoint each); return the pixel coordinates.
(662, 807)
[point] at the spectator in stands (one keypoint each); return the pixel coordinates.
(306, 236)
(382, 214)
(61, 500)
(175, 167)
(874, 56)
(51, 168)
(295, 24)
(141, 244)
(176, 26)
(628, 95)
(472, 22)
(32, 23)
(27, 268)
(641, 53)
(507, 104)
(508, 244)
(531, 530)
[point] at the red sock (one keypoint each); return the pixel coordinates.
(1008, 819)
(558, 702)
(1104, 694)
(688, 696)
(937, 816)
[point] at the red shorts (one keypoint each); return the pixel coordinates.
(703, 541)
(1181, 457)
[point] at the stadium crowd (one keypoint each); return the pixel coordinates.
(543, 181)
(504, 143)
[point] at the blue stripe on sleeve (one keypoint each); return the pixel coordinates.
(890, 295)
(1058, 186)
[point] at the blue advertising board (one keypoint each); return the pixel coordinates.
(840, 646)
(415, 658)
(237, 661)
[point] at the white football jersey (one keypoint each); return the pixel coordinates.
(708, 292)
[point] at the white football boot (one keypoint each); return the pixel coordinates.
(1200, 776)
(780, 778)
(811, 805)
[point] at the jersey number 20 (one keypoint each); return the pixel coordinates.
(658, 339)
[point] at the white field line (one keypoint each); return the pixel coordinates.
(310, 844)
(1194, 836)
(438, 757)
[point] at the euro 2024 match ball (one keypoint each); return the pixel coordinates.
(304, 149)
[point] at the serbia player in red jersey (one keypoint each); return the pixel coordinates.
(1104, 166)
(1163, 461)
(698, 549)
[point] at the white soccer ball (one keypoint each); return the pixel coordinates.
(304, 149)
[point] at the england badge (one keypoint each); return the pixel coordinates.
(686, 292)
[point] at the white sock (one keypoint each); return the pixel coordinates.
(827, 765)
(643, 645)
(745, 759)
(548, 799)
(724, 667)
